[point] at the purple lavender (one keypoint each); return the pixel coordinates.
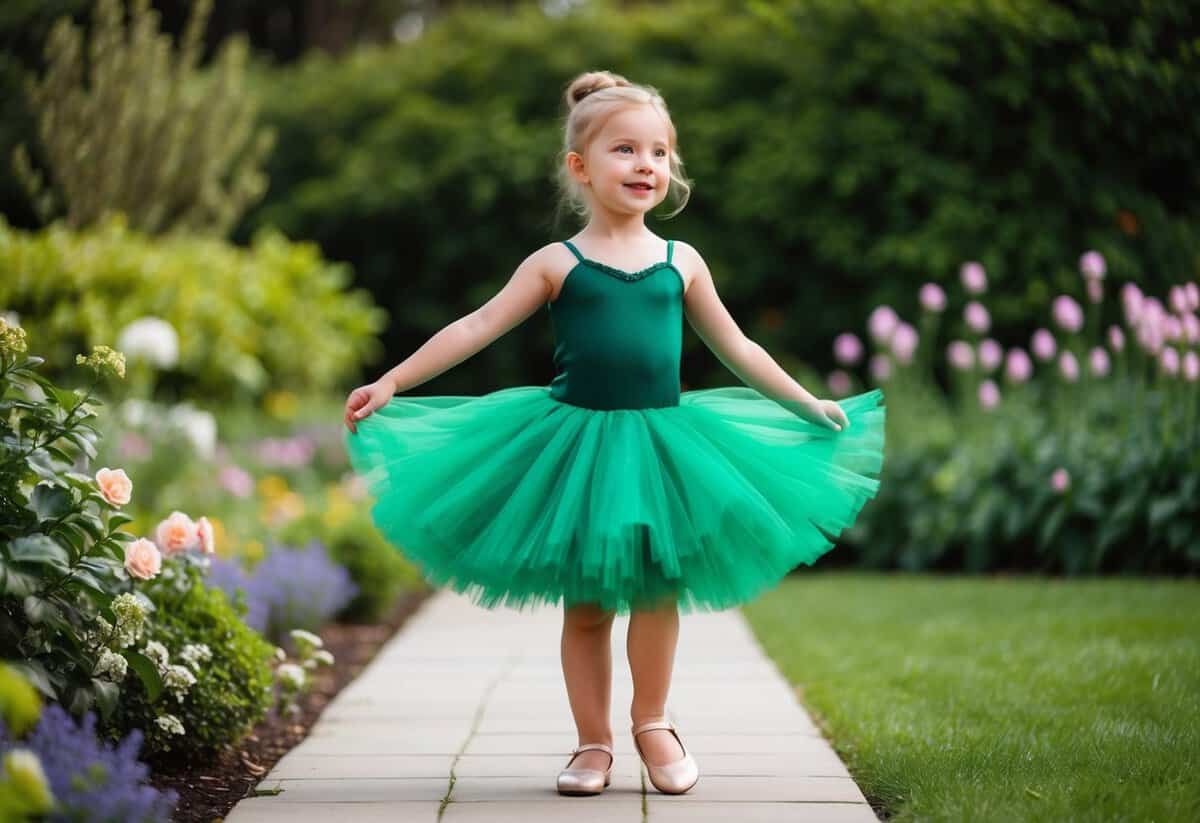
(289, 589)
(90, 779)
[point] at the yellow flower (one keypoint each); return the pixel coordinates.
(272, 486)
(252, 551)
(281, 404)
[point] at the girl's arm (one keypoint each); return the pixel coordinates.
(741, 355)
(526, 291)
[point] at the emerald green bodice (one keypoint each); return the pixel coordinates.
(618, 335)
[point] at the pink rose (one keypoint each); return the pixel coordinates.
(176, 534)
(142, 559)
(115, 486)
(204, 533)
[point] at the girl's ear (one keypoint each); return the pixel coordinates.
(575, 166)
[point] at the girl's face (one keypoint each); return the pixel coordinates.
(627, 163)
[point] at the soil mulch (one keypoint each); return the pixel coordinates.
(207, 792)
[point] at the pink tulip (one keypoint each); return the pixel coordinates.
(1067, 314)
(932, 297)
(881, 323)
(1131, 301)
(1169, 360)
(904, 343)
(1091, 264)
(990, 355)
(1095, 290)
(1191, 366)
(1191, 328)
(1150, 335)
(977, 317)
(1068, 366)
(881, 367)
(847, 349)
(1060, 481)
(1177, 299)
(1098, 360)
(1193, 293)
(1018, 367)
(960, 354)
(989, 395)
(1116, 338)
(839, 383)
(1043, 345)
(974, 277)
(1172, 327)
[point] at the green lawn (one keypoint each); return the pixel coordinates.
(980, 699)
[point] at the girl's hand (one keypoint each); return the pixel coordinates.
(364, 400)
(826, 413)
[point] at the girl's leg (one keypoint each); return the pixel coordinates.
(587, 668)
(653, 635)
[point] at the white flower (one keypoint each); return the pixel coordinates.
(306, 639)
(178, 679)
(291, 674)
(152, 339)
(158, 653)
(194, 654)
(111, 665)
(280, 654)
(131, 610)
(199, 426)
(169, 723)
(323, 656)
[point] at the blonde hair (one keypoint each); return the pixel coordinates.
(591, 99)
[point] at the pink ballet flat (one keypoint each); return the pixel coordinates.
(673, 778)
(585, 781)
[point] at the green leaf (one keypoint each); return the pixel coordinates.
(38, 609)
(1164, 509)
(38, 548)
(107, 694)
(35, 673)
(118, 519)
(147, 672)
(50, 502)
(1052, 524)
(16, 583)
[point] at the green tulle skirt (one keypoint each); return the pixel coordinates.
(515, 498)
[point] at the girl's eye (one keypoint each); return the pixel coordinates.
(661, 152)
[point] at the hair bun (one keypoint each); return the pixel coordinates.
(591, 81)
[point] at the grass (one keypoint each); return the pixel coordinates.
(999, 698)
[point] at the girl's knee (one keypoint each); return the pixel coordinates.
(587, 615)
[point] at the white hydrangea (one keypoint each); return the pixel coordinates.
(169, 723)
(178, 679)
(152, 339)
(111, 665)
(131, 610)
(158, 653)
(291, 674)
(305, 638)
(195, 653)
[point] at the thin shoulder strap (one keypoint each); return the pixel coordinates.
(670, 249)
(574, 250)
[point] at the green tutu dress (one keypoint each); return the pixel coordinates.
(609, 485)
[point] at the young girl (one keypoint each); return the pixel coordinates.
(610, 490)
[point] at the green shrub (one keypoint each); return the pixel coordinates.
(843, 153)
(274, 316)
(233, 690)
